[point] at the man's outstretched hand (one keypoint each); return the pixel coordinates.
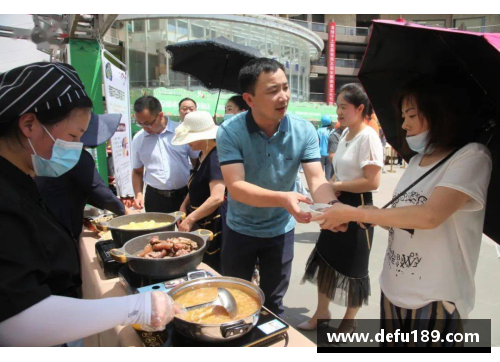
(291, 201)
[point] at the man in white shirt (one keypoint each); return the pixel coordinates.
(186, 106)
(163, 167)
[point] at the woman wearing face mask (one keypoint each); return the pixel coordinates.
(339, 263)
(235, 104)
(67, 195)
(44, 112)
(205, 204)
(435, 228)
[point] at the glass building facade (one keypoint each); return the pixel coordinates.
(146, 37)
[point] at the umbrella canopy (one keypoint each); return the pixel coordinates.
(398, 54)
(216, 62)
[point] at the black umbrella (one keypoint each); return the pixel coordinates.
(399, 54)
(216, 62)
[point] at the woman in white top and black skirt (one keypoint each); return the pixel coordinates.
(436, 224)
(339, 263)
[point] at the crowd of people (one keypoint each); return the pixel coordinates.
(238, 179)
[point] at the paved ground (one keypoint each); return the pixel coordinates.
(300, 300)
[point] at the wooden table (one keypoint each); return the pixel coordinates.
(96, 286)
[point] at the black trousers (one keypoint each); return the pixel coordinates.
(275, 255)
(154, 202)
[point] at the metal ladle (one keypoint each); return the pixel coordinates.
(224, 299)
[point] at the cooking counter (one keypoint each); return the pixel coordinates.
(96, 286)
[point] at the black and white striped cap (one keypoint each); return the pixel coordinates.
(38, 87)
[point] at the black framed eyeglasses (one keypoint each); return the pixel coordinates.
(146, 125)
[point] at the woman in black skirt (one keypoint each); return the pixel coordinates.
(205, 204)
(339, 263)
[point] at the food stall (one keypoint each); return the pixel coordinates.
(270, 331)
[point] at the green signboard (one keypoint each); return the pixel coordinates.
(86, 59)
(206, 101)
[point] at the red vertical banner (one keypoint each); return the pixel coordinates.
(332, 32)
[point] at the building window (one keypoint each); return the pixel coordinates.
(182, 27)
(436, 23)
(365, 20)
(137, 69)
(151, 67)
(154, 24)
(138, 26)
(153, 70)
(239, 40)
(171, 26)
(197, 31)
(302, 17)
(468, 22)
(318, 18)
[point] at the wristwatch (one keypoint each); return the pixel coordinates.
(333, 202)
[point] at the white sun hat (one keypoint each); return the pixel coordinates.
(197, 126)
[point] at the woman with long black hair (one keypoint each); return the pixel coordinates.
(436, 220)
(339, 263)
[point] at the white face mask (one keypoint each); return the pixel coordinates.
(419, 143)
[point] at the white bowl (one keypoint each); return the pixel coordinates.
(318, 209)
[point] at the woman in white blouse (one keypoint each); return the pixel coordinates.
(339, 263)
(435, 228)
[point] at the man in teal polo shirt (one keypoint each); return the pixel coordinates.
(260, 152)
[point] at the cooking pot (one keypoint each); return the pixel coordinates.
(218, 332)
(121, 236)
(162, 268)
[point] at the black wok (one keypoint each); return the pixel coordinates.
(162, 268)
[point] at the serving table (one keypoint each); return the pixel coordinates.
(96, 286)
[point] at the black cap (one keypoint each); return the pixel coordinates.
(101, 128)
(38, 87)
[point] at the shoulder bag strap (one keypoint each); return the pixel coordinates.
(421, 178)
(412, 231)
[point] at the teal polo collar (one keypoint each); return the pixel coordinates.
(253, 127)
